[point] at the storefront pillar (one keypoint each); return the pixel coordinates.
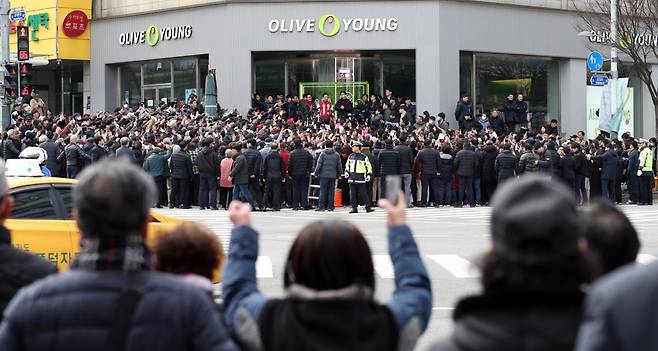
(234, 79)
(573, 95)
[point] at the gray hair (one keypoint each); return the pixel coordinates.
(112, 199)
(43, 139)
(229, 153)
(73, 139)
(124, 141)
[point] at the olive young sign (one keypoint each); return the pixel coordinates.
(330, 25)
(153, 35)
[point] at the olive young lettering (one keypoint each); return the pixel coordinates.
(330, 25)
(153, 35)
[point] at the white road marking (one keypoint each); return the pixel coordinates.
(645, 258)
(456, 265)
(264, 267)
(383, 266)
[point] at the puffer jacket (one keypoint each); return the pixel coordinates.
(389, 161)
(180, 166)
(527, 162)
(300, 163)
(488, 162)
(505, 165)
(515, 322)
(254, 161)
(446, 163)
(427, 161)
(465, 163)
(208, 161)
(329, 164)
(74, 311)
(273, 166)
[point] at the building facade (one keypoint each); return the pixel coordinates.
(430, 51)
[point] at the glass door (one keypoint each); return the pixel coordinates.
(154, 95)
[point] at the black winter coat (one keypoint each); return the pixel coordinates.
(446, 167)
(610, 163)
(18, 269)
(254, 161)
(300, 163)
(505, 165)
(180, 165)
(498, 125)
(567, 167)
(208, 161)
(239, 170)
(406, 158)
(465, 163)
(489, 155)
(509, 111)
(10, 150)
(273, 167)
(389, 161)
(515, 322)
(427, 161)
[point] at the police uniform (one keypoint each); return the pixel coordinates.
(358, 172)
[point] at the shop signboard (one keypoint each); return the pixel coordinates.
(75, 23)
(330, 25)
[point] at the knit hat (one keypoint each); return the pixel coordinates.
(535, 220)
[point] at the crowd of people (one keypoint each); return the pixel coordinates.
(269, 156)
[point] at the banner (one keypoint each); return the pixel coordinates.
(624, 118)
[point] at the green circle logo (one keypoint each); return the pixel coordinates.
(152, 35)
(330, 19)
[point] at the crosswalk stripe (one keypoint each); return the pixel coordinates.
(645, 258)
(264, 267)
(383, 266)
(456, 265)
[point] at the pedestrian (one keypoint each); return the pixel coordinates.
(358, 172)
(612, 240)
(47, 143)
(389, 164)
(300, 166)
(489, 174)
(462, 109)
(156, 165)
(427, 163)
(581, 165)
(254, 166)
(12, 145)
(328, 168)
(609, 170)
(567, 166)
(505, 164)
(329, 282)
(532, 276)
(193, 253)
(19, 268)
(74, 157)
(225, 185)
(180, 166)
(208, 164)
(509, 112)
(239, 176)
(406, 164)
(110, 285)
(98, 151)
(465, 163)
(529, 160)
(274, 171)
(645, 173)
(125, 151)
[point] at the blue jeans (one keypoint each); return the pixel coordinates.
(406, 186)
(207, 187)
(327, 190)
(477, 190)
(72, 171)
(608, 189)
(244, 189)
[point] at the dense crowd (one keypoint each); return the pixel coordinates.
(269, 156)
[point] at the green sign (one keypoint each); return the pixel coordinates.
(37, 21)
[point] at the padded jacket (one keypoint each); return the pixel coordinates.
(74, 311)
(389, 161)
(181, 165)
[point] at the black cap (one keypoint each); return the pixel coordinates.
(535, 220)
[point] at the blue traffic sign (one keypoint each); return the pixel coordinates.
(17, 15)
(599, 80)
(595, 61)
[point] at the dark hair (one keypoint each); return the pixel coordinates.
(189, 248)
(329, 255)
(329, 144)
(612, 239)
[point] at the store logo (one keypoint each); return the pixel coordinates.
(329, 25)
(154, 35)
(37, 21)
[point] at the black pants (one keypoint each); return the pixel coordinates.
(488, 189)
(464, 184)
(608, 189)
(207, 188)
(180, 191)
(300, 191)
(581, 191)
(358, 195)
(225, 196)
(429, 183)
(161, 186)
(646, 197)
(254, 189)
(327, 191)
(633, 187)
(194, 193)
(273, 193)
(445, 192)
(369, 191)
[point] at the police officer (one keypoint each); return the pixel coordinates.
(358, 172)
(645, 173)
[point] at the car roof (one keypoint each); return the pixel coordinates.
(17, 182)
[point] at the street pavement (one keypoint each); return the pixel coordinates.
(451, 241)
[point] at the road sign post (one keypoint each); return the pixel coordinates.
(595, 61)
(17, 15)
(599, 80)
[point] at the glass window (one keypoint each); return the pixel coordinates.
(466, 73)
(536, 78)
(66, 194)
(203, 72)
(269, 77)
(184, 78)
(33, 204)
(301, 71)
(131, 83)
(158, 72)
(400, 75)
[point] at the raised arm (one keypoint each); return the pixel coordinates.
(411, 303)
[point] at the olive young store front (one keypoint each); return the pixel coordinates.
(430, 51)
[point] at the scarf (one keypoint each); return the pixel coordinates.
(127, 254)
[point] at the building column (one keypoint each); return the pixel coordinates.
(234, 78)
(573, 95)
(86, 87)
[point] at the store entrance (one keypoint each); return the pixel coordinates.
(154, 95)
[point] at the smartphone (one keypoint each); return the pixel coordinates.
(393, 188)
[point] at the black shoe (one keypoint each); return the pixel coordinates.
(296, 208)
(158, 206)
(368, 210)
(172, 206)
(319, 210)
(276, 210)
(185, 207)
(458, 206)
(331, 210)
(201, 208)
(411, 206)
(354, 211)
(214, 208)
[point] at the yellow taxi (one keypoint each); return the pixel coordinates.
(41, 220)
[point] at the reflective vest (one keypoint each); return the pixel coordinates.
(358, 166)
(646, 160)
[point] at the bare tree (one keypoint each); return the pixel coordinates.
(637, 41)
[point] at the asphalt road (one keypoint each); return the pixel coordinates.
(451, 241)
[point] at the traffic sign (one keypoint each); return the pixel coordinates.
(17, 15)
(595, 61)
(599, 80)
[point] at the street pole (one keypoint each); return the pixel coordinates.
(4, 31)
(613, 58)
